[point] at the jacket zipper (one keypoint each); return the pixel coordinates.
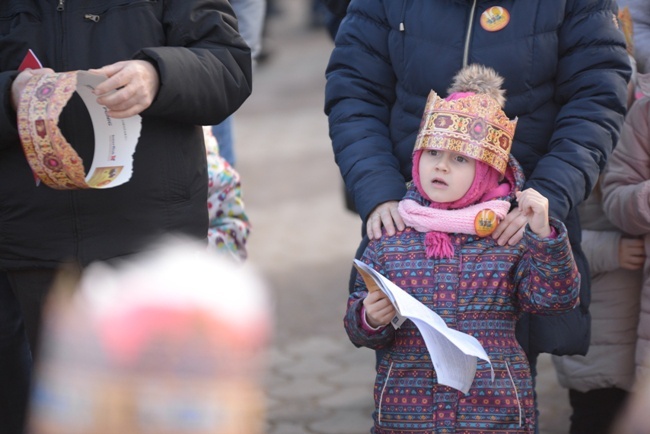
(401, 21)
(514, 387)
(381, 396)
(60, 7)
(469, 34)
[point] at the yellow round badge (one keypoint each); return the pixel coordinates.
(495, 19)
(485, 222)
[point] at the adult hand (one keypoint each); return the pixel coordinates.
(21, 80)
(385, 215)
(130, 88)
(379, 310)
(631, 253)
(511, 228)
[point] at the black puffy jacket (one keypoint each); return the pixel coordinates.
(204, 69)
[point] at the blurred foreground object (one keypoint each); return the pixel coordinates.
(172, 342)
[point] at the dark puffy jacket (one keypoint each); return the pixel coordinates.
(565, 72)
(204, 69)
(337, 7)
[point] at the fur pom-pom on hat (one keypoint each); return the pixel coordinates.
(481, 80)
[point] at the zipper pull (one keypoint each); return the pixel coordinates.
(92, 17)
(401, 26)
(61, 6)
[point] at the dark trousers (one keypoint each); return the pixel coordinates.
(22, 296)
(15, 362)
(594, 412)
(31, 288)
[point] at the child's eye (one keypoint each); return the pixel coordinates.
(460, 159)
(433, 152)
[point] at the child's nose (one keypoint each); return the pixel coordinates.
(442, 164)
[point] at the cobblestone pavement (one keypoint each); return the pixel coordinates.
(303, 240)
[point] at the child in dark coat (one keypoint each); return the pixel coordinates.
(464, 180)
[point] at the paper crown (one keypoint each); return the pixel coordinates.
(627, 26)
(52, 159)
(471, 120)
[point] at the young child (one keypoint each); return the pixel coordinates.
(464, 180)
(229, 226)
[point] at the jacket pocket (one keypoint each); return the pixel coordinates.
(102, 22)
(14, 16)
(505, 404)
(404, 394)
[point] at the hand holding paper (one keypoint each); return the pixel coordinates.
(130, 88)
(379, 309)
(453, 353)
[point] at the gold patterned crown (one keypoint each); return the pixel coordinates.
(627, 26)
(471, 124)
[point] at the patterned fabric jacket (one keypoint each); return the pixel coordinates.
(480, 291)
(229, 225)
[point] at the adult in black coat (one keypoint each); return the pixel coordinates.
(178, 64)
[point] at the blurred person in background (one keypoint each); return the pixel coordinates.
(250, 19)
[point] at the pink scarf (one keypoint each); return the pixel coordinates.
(438, 220)
(437, 223)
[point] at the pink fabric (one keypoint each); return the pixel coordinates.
(454, 221)
(486, 183)
(438, 245)
(458, 95)
(364, 323)
(486, 180)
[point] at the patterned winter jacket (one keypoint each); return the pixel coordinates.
(229, 226)
(481, 291)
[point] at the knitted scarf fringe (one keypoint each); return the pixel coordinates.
(438, 245)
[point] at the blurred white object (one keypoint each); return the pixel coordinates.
(171, 342)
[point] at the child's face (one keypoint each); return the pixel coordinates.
(445, 176)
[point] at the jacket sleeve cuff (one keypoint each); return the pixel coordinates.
(8, 121)
(366, 325)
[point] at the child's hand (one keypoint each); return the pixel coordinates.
(534, 207)
(379, 310)
(631, 253)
